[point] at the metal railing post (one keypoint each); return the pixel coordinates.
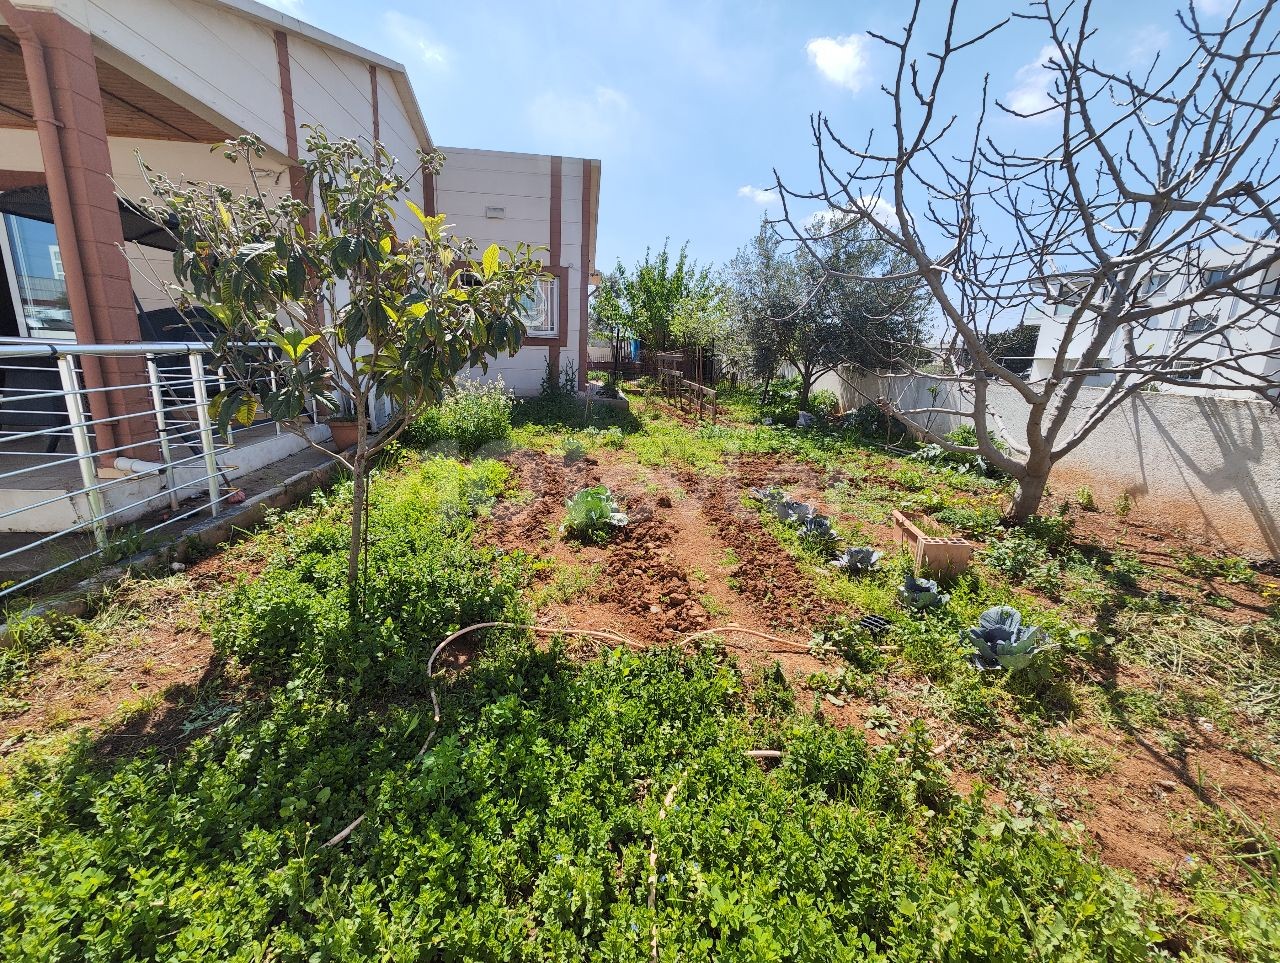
(271, 375)
(84, 448)
(162, 429)
(201, 394)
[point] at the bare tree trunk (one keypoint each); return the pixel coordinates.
(358, 519)
(1026, 502)
(806, 388)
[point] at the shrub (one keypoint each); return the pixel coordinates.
(1085, 499)
(559, 383)
(874, 425)
(1234, 570)
(982, 521)
(424, 580)
(530, 829)
(1024, 558)
(476, 414)
(824, 403)
(1052, 532)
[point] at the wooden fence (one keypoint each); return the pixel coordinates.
(687, 395)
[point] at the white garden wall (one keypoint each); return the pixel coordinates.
(1210, 466)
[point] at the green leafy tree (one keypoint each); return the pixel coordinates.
(766, 289)
(1013, 348)
(664, 301)
(354, 310)
(831, 300)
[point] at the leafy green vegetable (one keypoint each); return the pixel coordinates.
(592, 515)
(920, 593)
(1001, 641)
(857, 560)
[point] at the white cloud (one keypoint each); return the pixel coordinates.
(1033, 83)
(764, 196)
(1147, 42)
(842, 60)
(880, 209)
(292, 7)
(581, 121)
(1215, 8)
(830, 218)
(414, 38)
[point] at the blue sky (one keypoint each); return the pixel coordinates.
(690, 104)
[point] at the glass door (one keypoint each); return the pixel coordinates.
(33, 263)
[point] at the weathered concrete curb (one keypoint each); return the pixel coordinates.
(209, 533)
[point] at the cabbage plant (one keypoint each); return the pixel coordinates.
(592, 515)
(770, 497)
(796, 512)
(1001, 641)
(920, 593)
(857, 560)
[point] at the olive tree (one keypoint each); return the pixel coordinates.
(839, 298)
(1090, 196)
(348, 308)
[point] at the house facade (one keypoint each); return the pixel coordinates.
(551, 202)
(1247, 328)
(92, 89)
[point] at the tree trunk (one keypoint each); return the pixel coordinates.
(358, 519)
(358, 522)
(806, 389)
(1029, 496)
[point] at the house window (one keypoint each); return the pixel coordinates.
(538, 309)
(1270, 287)
(1155, 283)
(1066, 299)
(36, 280)
(1198, 323)
(1183, 369)
(1217, 275)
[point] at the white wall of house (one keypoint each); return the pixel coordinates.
(153, 268)
(498, 197)
(1209, 465)
(1251, 331)
(220, 59)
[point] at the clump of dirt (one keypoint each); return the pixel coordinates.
(519, 523)
(644, 579)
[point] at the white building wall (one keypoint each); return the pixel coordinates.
(214, 60)
(219, 59)
(520, 184)
(473, 180)
(1251, 331)
(1209, 465)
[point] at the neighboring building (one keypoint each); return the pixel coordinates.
(1250, 330)
(87, 88)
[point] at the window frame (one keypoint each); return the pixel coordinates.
(551, 295)
(15, 288)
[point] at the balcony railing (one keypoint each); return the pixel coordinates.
(146, 461)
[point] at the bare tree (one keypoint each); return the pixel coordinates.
(1170, 171)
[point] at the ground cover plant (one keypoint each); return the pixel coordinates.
(845, 784)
